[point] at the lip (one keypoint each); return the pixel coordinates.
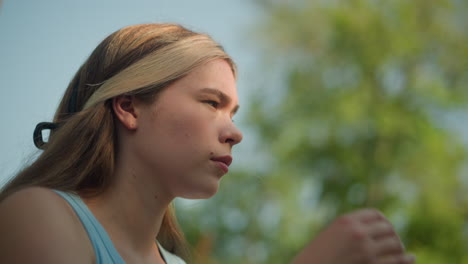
(223, 162)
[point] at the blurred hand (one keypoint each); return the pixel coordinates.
(362, 237)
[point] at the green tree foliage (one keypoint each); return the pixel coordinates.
(367, 85)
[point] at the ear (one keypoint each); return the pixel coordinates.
(125, 111)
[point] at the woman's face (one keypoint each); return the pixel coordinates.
(184, 140)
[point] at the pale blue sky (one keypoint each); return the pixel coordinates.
(43, 43)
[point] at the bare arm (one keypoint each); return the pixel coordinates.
(37, 226)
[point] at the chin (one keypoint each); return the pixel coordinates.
(201, 192)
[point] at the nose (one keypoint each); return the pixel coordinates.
(231, 134)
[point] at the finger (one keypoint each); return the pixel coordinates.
(380, 229)
(401, 259)
(367, 215)
(391, 246)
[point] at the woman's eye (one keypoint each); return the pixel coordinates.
(212, 103)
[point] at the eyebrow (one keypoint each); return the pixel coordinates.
(222, 96)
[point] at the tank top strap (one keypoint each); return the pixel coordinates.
(102, 244)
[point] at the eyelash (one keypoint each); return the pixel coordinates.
(212, 103)
(215, 105)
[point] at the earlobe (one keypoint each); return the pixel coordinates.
(125, 111)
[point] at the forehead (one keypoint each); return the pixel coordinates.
(215, 74)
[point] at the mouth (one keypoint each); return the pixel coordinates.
(223, 162)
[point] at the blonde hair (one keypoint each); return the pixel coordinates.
(138, 60)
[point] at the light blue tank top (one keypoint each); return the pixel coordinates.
(103, 247)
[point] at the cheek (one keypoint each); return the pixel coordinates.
(175, 148)
(182, 133)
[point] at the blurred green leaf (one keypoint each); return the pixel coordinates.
(359, 124)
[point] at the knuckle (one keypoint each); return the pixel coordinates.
(378, 214)
(357, 233)
(388, 225)
(394, 247)
(401, 260)
(399, 248)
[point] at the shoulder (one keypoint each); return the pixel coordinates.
(38, 221)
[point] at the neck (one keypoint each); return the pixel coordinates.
(131, 211)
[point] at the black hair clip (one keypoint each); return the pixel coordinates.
(37, 135)
(72, 102)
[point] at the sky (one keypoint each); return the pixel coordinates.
(43, 43)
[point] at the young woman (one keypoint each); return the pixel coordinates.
(147, 118)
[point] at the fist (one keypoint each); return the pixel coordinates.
(361, 237)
